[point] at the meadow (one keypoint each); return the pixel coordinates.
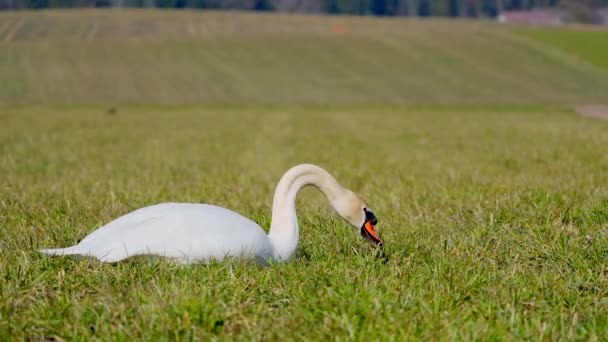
(184, 57)
(489, 188)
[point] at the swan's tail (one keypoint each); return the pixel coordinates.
(60, 251)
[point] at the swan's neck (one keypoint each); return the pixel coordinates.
(284, 234)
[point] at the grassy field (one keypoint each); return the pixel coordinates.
(176, 57)
(588, 45)
(495, 222)
(491, 192)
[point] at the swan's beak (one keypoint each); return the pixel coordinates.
(369, 232)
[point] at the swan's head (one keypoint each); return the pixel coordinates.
(355, 211)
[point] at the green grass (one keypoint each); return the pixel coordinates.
(177, 57)
(491, 193)
(590, 46)
(495, 221)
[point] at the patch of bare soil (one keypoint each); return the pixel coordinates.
(593, 111)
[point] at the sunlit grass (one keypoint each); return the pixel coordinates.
(495, 222)
(588, 45)
(495, 217)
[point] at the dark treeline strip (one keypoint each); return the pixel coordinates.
(423, 8)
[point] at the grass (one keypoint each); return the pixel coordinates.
(589, 46)
(495, 220)
(490, 192)
(176, 57)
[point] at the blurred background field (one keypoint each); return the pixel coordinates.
(175, 57)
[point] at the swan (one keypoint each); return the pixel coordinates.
(193, 232)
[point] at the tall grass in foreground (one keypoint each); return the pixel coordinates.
(494, 218)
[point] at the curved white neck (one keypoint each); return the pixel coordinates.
(284, 234)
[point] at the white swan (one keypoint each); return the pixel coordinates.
(189, 232)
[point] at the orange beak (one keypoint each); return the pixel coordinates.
(368, 231)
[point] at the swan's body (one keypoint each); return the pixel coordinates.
(182, 231)
(190, 232)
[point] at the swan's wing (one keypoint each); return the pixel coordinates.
(181, 231)
(136, 218)
(113, 230)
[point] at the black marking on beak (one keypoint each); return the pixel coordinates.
(369, 216)
(368, 231)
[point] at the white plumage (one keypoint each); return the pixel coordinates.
(190, 232)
